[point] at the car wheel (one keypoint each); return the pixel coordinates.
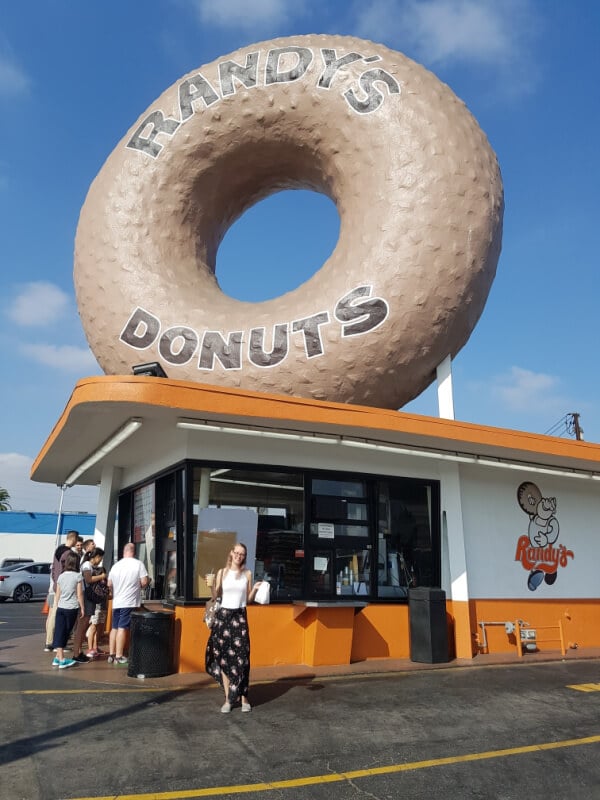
(23, 593)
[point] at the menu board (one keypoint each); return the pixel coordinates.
(218, 531)
(212, 549)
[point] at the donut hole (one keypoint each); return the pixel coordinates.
(232, 198)
(277, 245)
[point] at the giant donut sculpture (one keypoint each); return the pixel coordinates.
(416, 185)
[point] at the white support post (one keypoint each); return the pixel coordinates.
(106, 514)
(444, 383)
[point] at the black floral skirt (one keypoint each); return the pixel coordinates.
(228, 651)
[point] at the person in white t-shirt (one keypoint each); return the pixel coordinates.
(126, 579)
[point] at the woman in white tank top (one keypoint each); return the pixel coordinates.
(228, 648)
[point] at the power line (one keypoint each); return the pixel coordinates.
(561, 426)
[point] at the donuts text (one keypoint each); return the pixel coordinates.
(357, 313)
(282, 65)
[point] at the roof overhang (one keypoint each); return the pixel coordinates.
(119, 421)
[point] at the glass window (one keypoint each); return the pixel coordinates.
(329, 531)
(339, 508)
(370, 538)
(405, 552)
(263, 509)
(144, 526)
(166, 586)
(320, 573)
(336, 488)
(352, 572)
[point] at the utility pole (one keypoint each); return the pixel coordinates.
(575, 426)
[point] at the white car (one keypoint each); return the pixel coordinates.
(15, 562)
(25, 582)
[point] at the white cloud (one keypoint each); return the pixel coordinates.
(13, 81)
(243, 15)
(39, 303)
(66, 357)
(479, 31)
(462, 29)
(25, 495)
(522, 390)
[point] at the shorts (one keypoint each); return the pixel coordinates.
(99, 615)
(89, 606)
(121, 617)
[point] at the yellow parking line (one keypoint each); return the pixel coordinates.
(313, 780)
(90, 691)
(585, 687)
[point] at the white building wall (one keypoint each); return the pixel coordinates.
(38, 546)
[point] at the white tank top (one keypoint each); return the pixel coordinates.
(234, 590)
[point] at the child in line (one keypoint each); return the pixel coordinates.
(69, 605)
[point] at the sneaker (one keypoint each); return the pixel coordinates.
(55, 662)
(66, 662)
(80, 659)
(121, 661)
(111, 659)
(101, 652)
(48, 648)
(91, 654)
(225, 708)
(246, 707)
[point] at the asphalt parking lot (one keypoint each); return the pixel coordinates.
(502, 732)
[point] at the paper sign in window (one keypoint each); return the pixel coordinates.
(325, 530)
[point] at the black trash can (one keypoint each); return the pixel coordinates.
(428, 628)
(151, 644)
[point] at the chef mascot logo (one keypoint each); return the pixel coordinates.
(538, 551)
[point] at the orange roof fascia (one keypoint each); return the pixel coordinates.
(198, 398)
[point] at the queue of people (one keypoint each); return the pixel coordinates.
(78, 599)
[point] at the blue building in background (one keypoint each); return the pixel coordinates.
(31, 534)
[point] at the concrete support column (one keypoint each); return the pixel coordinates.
(106, 514)
(454, 559)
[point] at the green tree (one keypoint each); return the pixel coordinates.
(4, 500)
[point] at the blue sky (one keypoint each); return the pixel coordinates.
(75, 76)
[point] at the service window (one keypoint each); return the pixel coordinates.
(262, 508)
(407, 537)
(340, 539)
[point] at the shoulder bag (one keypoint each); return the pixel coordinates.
(212, 606)
(210, 612)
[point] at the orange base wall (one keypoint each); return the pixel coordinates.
(302, 635)
(580, 620)
(283, 634)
